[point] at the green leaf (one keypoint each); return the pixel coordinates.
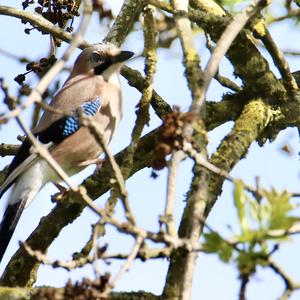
(240, 204)
(280, 210)
(247, 262)
(213, 243)
(255, 211)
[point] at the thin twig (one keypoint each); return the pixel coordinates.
(144, 253)
(285, 277)
(279, 60)
(68, 265)
(125, 267)
(226, 82)
(98, 133)
(290, 14)
(171, 191)
(291, 52)
(143, 113)
(202, 161)
(9, 100)
(87, 248)
(135, 79)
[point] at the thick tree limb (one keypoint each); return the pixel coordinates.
(18, 293)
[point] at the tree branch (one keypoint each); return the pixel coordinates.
(18, 293)
(37, 20)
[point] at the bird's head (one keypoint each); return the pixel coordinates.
(101, 59)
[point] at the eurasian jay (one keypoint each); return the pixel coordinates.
(93, 86)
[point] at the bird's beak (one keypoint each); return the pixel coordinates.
(122, 56)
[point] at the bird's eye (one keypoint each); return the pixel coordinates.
(96, 57)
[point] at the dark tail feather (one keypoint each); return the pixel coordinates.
(9, 223)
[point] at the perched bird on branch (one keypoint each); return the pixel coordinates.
(93, 87)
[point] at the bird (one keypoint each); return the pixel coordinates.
(92, 86)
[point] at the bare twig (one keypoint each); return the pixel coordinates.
(171, 191)
(192, 223)
(136, 80)
(98, 133)
(13, 56)
(97, 230)
(125, 267)
(202, 161)
(144, 253)
(279, 60)
(9, 100)
(290, 14)
(290, 284)
(226, 82)
(68, 265)
(95, 235)
(291, 52)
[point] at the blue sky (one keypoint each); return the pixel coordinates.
(146, 195)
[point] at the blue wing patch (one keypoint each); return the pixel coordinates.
(66, 126)
(89, 108)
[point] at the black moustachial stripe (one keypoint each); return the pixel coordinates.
(104, 65)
